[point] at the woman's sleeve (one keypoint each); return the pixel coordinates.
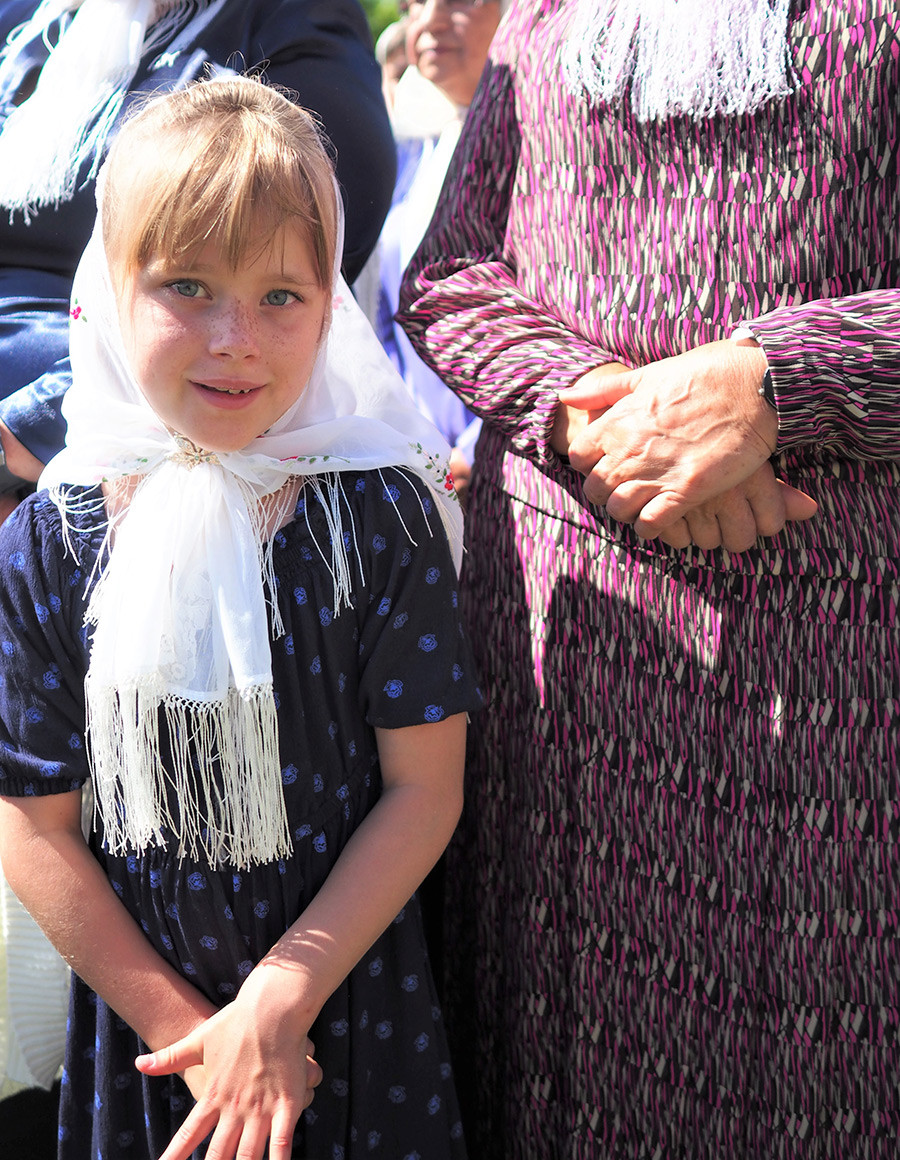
(504, 353)
(835, 368)
(414, 660)
(42, 658)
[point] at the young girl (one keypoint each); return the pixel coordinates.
(235, 611)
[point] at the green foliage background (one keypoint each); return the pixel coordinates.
(381, 13)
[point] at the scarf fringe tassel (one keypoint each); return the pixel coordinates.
(221, 794)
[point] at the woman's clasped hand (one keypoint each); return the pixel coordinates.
(681, 448)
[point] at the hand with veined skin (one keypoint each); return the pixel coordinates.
(680, 447)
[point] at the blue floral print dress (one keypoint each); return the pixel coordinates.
(396, 658)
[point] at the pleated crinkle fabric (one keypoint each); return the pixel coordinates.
(34, 993)
(675, 895)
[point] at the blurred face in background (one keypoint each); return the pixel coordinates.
(391, 71)
(390, 52)
(448, 40)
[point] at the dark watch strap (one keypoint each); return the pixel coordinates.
(767, 390)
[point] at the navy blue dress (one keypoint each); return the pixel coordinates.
(398, 657)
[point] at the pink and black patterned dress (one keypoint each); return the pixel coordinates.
(676, 894)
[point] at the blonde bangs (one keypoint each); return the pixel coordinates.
(231, 162)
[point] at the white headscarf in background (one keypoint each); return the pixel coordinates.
(675, 57)
(185, 609)
(46, 140)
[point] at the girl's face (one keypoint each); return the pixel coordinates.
(221, 354)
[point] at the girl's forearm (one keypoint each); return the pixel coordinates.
(65, 889)
(376, 874)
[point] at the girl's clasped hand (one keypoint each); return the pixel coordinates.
(252, 1075)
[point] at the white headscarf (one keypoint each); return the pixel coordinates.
(46, 140)
(677, 57)
(185, 608)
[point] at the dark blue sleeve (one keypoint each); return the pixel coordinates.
(34, 412)
(414, 658)
(42, 656)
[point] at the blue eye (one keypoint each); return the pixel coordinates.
(279, 297)
(187, 288)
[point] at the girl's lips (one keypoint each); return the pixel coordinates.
(229, 393)
(228, 386)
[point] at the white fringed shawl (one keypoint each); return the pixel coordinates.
(677, 57)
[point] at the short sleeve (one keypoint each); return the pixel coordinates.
(414, 659)
(42, 656)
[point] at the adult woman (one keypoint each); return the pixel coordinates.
(323, 53)
(673, 883)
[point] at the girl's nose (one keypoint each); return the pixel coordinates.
(233, 332)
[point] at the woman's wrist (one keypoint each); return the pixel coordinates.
(569, 421)
(763, 408)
